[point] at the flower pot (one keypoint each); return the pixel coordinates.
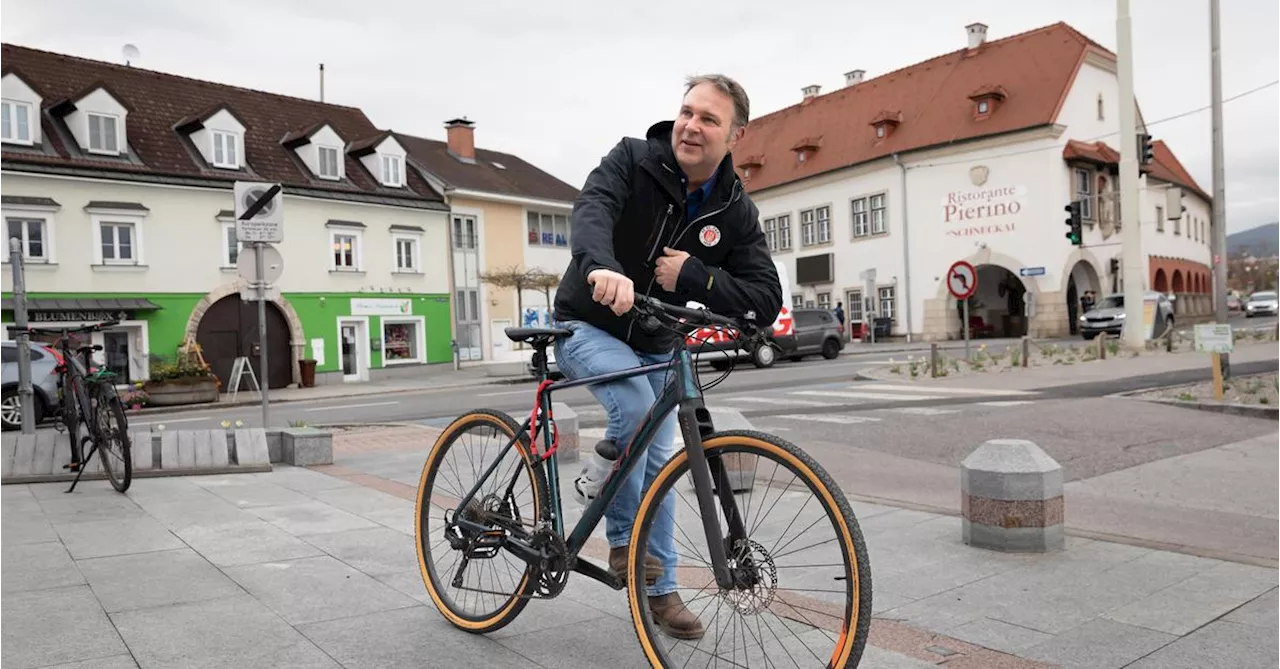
(174, 392)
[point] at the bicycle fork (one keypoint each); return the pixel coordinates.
(695, 421)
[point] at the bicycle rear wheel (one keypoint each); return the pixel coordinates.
(111, 435)
(804, 593)
(476, 589)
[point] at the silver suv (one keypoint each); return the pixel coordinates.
(44, 383)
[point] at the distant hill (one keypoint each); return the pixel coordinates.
(1263, 240)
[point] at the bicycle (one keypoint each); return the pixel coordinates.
(483, 523)
(86, 393)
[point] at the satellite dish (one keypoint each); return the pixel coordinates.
(130, 53)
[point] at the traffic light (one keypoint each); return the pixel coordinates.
(1075, 234)
(1145, 152)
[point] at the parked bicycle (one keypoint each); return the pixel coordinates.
(87, 394)
(490, 531)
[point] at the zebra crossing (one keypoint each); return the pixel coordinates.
(844, 400)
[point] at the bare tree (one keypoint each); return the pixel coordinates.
(521, 280)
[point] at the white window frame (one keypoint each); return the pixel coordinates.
(337, 162)
(415, 252)
(854, 313)
(459, 221)
(357, 250)
(46, 234)
(132, 217)
(879, 224)
(115, 123)
(117, 242)
(10, 130)
(770, 226)
(420, 335)
(542, 216)
(784, 232)
(822, 218)
(1085, 195)
(228, 143)
(808, 228)
(392, 166)
(887, 305)
(824, 300)
(227, 230)
(1159, 218)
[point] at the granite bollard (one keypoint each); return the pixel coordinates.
(1011, 498)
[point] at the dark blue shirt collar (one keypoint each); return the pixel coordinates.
(695, 200)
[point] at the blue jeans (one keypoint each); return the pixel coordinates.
(591, 352)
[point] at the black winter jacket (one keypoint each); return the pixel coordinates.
(631, 206)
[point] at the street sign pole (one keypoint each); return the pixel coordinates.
(25, 394)
(263, 376)
(966, 329)
(962, 283)
(260, 221)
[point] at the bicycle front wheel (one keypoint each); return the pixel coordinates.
(478, 589)
(802, 594)
(111, 434)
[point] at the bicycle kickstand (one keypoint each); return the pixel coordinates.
(84, 464)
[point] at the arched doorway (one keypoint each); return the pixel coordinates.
(1161, 283)
(1083, 279)
(1178, 287)
(998, 307)
(229, 329)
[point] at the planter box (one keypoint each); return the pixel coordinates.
(171, 393)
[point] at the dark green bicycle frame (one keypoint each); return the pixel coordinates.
(681, 394)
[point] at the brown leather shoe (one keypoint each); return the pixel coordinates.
(618, 565)
(674, 618)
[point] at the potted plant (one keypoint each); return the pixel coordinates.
(187, 379)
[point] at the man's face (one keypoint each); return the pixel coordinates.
(702, 134)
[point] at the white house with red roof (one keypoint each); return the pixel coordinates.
(870, 192)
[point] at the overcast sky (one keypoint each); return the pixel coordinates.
(559, 81)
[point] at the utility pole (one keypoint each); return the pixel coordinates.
(1132, 264)
(1218, 221)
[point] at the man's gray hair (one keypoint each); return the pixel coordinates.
(731, 88)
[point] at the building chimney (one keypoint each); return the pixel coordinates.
(462, 138)
(853, 78)
(811, 91)
(977, 34)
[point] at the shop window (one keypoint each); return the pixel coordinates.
(402, 341)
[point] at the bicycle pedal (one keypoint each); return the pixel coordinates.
(73, 466)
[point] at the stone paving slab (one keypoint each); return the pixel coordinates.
(332, 581)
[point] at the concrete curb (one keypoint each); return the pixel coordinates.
(1270, 413)
(206, 406)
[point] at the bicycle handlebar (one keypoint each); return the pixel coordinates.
(653, 307)
(92, 327)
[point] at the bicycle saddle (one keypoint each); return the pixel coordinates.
(538, 337)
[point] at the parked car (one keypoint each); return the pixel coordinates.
(1261, 303)
(44, 383)
(1108, 315)
(1233, 303)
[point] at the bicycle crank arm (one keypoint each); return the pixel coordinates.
(598, 573)
(702, 486)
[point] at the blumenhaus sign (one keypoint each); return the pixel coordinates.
(982, 211)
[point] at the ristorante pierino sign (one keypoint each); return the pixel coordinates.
(982, 211)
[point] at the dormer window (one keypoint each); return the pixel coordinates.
(226, 150)
(16, 122)
(383, 157)
(392, 171)
(328, 162)
(986, 100)
(104, 134)
(885, 123)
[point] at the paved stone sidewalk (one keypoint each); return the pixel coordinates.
(317, 568)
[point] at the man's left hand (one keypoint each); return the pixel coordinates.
(668, 268)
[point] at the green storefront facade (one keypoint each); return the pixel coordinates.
(352, 336)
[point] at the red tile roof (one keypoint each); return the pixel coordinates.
(1033, 70)
(160, 103)
(1164, 165)
(515, 177)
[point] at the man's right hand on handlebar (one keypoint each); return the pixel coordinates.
(613, 290)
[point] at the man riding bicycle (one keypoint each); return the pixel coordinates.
(666, 215)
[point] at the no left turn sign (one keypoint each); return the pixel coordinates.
(962, 279)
